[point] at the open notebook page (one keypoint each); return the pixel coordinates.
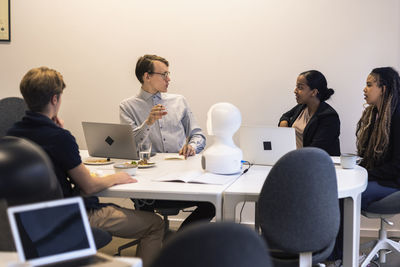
(197, 177)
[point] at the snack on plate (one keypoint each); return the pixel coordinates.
(97, 160)
(143, 162)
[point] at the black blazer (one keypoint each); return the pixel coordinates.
(321, 131)
(388, 173)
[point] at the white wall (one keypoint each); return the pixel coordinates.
(247, 52)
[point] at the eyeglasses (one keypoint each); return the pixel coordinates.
(165, 75)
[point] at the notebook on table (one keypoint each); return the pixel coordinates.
(197, 177)
(110, 140)
(265, 145)
(56, 233)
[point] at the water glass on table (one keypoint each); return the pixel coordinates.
(145, 151)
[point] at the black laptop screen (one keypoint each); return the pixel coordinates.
(51, 230)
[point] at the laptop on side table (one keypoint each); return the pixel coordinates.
(56, 233)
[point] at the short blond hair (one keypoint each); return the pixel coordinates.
(39, 85)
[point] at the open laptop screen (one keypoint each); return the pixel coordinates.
(51, 231)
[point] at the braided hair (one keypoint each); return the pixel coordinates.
(373, 128)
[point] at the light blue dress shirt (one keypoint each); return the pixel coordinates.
(169, 133)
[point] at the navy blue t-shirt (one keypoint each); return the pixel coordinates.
(59, 145)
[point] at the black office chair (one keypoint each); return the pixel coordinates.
(26, 173)
(12, 109)
(382, 209)
(298, 208)
(214, 245)
(27, 176)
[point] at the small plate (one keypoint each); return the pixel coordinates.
(97, 161)
(148, 165)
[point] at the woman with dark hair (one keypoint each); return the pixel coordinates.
(316, 123)
(378, 134)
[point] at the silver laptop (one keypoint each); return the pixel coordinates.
(110, 140)
(265, 145)
(56, 233)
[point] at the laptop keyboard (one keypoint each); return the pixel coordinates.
(80, 262)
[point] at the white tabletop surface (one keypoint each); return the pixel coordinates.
(350, 181)
(149, 189)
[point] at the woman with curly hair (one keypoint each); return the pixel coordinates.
(378, 134)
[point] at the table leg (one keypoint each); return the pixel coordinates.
(229, 209)
(218, 210)
(256, 218)
(351, 231)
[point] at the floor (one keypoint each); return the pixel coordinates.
(392, 260)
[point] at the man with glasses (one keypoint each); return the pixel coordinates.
(163, 118)
(167, 121)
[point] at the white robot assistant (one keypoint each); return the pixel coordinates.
(223, 156)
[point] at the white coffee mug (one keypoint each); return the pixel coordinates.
(349, 160)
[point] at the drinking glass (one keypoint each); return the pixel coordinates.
(145, 150)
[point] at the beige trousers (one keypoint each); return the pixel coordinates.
(128, 223)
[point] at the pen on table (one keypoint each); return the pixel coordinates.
(186, 146)
(187, 133)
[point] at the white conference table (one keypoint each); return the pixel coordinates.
(351, 183)
(146, 188)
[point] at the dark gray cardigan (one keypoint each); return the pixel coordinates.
(321, 131)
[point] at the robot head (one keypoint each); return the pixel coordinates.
(223, 120)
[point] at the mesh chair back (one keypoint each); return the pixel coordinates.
(12, 109)
(298, 205)
(214, 245)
